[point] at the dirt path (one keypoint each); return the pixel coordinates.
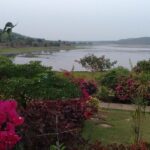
(130, 107)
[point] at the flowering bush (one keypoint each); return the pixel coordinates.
(48, 119)
(111, 77)
(126, 89)
(130, 88)
(88, 87)
(9, 120)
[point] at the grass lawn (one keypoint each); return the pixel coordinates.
(120, 130)
(86, 75)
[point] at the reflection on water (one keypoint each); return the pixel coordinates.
(66, 59)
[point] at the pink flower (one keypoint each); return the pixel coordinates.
(2, 117)
(9, 119)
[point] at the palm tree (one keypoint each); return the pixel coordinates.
(8, 29)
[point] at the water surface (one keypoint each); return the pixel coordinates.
(65, 59)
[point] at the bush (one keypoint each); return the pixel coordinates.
(142, 66)
(88, 87)
(94, 103)
(130, 88)
(42, 87)
(10, 70)
(104, 93)
(111, 77)
(94, 63)
(126, 89)
(34, 81)
(49, 121)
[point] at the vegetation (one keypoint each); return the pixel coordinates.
(143, 66)
(33, 81)
(9, 121)
(5, 34)
(112, 76)
(94, 63)
(119, 130)
(10, 40)
(62, 110)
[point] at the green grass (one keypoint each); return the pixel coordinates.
(121, 130)
(32, 49)
(86, 75)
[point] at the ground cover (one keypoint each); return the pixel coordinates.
(86, 74)
(119, 129)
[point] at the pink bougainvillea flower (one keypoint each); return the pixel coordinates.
(2, 117)
(18, 120)
(9, 119)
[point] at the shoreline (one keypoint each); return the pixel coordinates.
(19, 50)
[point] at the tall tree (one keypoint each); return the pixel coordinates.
(8, 29)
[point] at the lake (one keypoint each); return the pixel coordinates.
(65, 59)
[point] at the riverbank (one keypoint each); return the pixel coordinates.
(18, 50)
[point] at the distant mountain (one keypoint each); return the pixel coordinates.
(129, 41)
(134, 41)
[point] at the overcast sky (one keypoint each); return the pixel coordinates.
(78, 19)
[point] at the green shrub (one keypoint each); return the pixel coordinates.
(33, 81)
(142, 77)
(44, 87)
(142, 66)
(111, 77)
(103, 93)
(94, 63)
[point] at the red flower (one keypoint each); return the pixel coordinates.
(87, 114)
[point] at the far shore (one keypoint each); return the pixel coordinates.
(18, 50)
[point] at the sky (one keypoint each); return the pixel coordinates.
(78, 20)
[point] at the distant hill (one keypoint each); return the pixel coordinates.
(22, 40)
(19, 40)
(135, 41)
(129, 41)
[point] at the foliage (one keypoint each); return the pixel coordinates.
(94, 103)
(8, 27)
(126, 89)
(43, 87)
(103, 93)
(129, 88)
(9, 120)
(137, 117)
(111, 77)
(10, 70)
(58, 146)
(142, 66)
(7, 31)
(88, 87)
(58, 120)
(48, 119)
(93, 63)
(10, 39)
(142, 77)
(33, 81)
